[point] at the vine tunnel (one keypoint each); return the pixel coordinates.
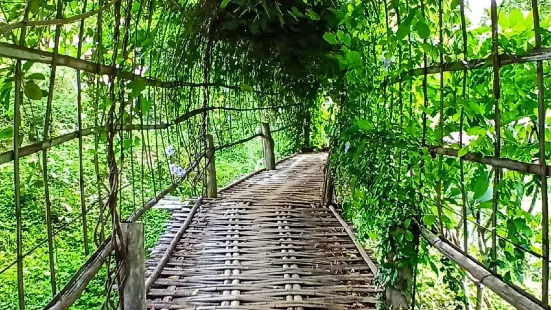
(434, 115)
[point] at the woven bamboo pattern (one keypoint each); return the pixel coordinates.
(264, 243)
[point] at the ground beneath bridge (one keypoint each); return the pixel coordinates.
(265, 243)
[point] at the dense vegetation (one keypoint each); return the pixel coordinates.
(346, 70)
(389, 126)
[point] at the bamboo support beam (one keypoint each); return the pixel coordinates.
(268, 146)
(505, 163)
(358, 245)
(41, 145)
(134, 264)
(498, 286)
(538, 54)
(28, 54)
(167, 255)
(54, 22)
(211, 168)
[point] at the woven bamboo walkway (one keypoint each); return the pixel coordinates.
(265, 243)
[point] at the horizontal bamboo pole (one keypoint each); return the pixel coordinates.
(509, 164)
(244, 140)
(498, 286)
(52, 22)
(42, 145)
(13, 51)
(168, 252)
(532, 56)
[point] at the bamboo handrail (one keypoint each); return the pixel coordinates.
(485, 277)
(505, 59)
(505, 163)
(36, 147)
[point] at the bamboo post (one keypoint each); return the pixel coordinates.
(134, 288)
(306, 131)
(267, 146)
(327, 192)
(542, 108)
(211, 168)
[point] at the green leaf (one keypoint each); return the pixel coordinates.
(34, 6)
(463, 151)
(488, 195)
(312, 15)
(224, 3)
(145, 106)
(137, 86)
(344, 37)
(254, 28)
(404, 28)
(36, 76)
(423, 30)
(429, 220)
(245, 87)
(32, 91)
(481, 183)
(365, 125)
(6, 133)
(296, 12)
(330, 38)
(408, 235)
(354, 58)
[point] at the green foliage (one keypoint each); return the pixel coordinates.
(376, 168)
(385, 118)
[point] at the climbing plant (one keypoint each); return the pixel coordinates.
(105, 107)
(428, 95)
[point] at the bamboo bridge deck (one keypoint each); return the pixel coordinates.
(264, 243)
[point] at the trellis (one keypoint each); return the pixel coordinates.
(416, 84)
(142, 82)
(167, 91)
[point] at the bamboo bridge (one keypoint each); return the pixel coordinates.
(264, 243)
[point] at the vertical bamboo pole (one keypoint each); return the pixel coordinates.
(461, 127)
(268, 146)
(496, 92)
(211, 167)
(79, 121)
(46, 133)
(134, 287)
(542, 109)
(328, 187)
(16, 172)
(441, 122)
(306, 129)
(465, 97)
